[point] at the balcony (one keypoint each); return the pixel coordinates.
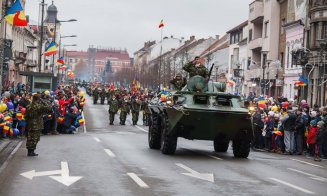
(256, 12)
(256, 44)
(253, 73)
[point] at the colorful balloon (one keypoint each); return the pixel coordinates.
(3, 107)
(10, 105)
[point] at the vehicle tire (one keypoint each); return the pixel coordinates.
(241, 148)
(220, 146)
(154, 134)
(168, 140)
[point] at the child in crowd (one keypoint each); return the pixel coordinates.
(311, 137)
(319, 140)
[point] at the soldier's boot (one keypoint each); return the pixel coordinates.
(31, 153)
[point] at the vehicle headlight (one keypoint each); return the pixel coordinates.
(251, 108)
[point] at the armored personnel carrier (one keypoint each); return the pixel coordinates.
(200, 111)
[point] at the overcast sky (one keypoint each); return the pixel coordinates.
(129, 23)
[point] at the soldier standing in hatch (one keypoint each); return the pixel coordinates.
(196, 67)
(124, 109)
(113, 109)
(179, 82)
(34, 122)
(136, 107)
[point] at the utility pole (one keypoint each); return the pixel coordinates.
(41, 36)
(2, 41)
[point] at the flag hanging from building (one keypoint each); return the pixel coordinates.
(161, 24)
(231, 82)
(61, 61)
(15, 15)
(301, 81)
(51, 49)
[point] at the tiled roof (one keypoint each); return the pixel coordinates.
(239, 27)
(217, 45)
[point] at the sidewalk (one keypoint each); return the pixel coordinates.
(7, 147)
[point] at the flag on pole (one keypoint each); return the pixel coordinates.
(51, 49)
(15, 15)
(301, 81)
(61, 61)
(161, 24)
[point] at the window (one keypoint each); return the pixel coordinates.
(250, 35)
(266, 29)
(324, 31)
(288, 57)
(282, 30)
(281, 59)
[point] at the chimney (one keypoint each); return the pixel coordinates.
(171, 36)
(192, 38)
(217, 37)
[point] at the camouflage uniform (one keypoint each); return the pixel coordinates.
(34, 122)
(124, 109)
(178, 83)
(95, 95)
(193, 70)
(110, 93)
(103, 95)
(113, 109)
(146, 113)
(136, 106)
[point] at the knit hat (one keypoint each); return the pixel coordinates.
(313, 113)
(321, 123)
(313, 123)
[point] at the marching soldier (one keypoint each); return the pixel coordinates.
(103, 95)
(113, 109)
(146, 112)
(136, 106)
(124, 109)
(95, 95)
(179, 82)
(34, 122)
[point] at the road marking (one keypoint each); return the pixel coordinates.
(84, 122)
(5, 164)
(312, 176)
(110, 153)
(214, 157)
(293, 186)
(138, 180)
(308, 163)
(96, 139)
(195, 174)
(140, 128)
(64, 177)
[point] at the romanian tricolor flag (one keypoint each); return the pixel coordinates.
(61, 61)
(161, 24)
(301, 81)
(231, 82)
(51, 49)
(15, 15)
(7, 118)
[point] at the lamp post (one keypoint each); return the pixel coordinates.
(55, 34)
(65, 55)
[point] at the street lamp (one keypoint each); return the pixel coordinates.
(55, 33)
(66, 36)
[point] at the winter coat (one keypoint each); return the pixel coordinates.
(311, 135)
(320, 135)
(299, 125)
(289, 121)
(69, 119)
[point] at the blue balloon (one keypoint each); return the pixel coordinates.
(16, 131)
(51, 93)
(10, 105)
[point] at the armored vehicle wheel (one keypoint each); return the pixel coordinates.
(168, 140)
(154, 134)
(220, 146)
(241, 148)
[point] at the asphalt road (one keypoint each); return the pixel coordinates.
(116, 160)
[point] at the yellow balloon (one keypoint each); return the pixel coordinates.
(274, 108)
(3, 107)
(46, 92)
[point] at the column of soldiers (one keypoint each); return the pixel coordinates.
(121, 101)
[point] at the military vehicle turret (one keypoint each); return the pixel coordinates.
(200, 111)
